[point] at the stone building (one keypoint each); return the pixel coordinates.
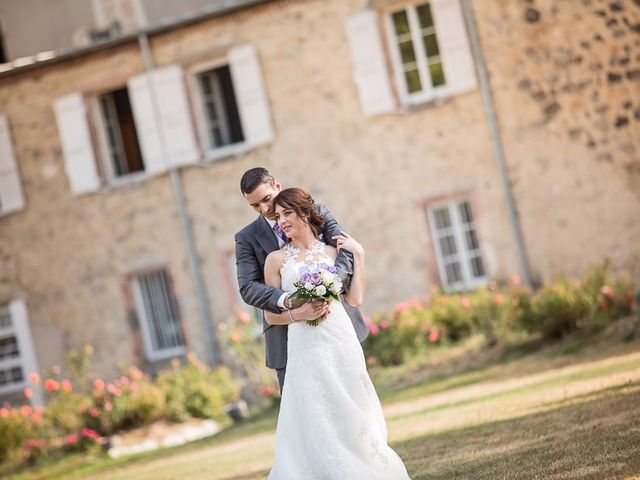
(459, 140)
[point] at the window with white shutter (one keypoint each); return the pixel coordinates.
(430, 51)
(231, 104)
(11, 195)
(166, 134)
(17, 354)
(457, 246)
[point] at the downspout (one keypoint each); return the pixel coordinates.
(185, 223)
(500, 158)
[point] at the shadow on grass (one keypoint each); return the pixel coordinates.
(595, 438)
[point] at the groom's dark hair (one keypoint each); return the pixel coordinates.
(254, 177)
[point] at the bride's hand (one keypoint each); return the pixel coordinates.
(347, 242)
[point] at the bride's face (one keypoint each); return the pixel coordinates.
(289, 221)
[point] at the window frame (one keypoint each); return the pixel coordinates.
(464, 254)
(97, 124)
(197, 104)
(17, 361)
(428, 92)
(143, 319)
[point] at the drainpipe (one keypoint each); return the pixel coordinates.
(490, 112)
(185, 222)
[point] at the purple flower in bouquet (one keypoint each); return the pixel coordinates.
(318, 282)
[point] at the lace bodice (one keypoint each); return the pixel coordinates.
(294, 259)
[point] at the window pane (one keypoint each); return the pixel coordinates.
(16, 374)
(472, 239)
(431, 45)
(8, 348)
(465, 212)
(448, 245)
(206, 84)
(477, 267)
(407, 53)
(401, 22)
(424, 15)
(437, 74)
(413, 81)
(453, 272)
(5, 318)
(442, 218)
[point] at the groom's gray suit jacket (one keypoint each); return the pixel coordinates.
(253, 243)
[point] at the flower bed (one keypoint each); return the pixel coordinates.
(499, 311)
(81, 412)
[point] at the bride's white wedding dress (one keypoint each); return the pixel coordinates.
(330, 425)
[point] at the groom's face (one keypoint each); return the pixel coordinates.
(261, 199)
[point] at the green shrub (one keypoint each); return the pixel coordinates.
(195, 390)
(16, 427)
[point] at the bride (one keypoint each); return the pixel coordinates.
(330, 425)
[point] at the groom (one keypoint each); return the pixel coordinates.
(257, 240)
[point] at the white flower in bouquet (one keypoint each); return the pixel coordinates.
(309, 286)
(318, 282)
(321, 290)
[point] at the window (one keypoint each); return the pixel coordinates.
(417, 51)
(119, 138)
(456, 240)
(157, 310)
(220, 109)
(17, 358)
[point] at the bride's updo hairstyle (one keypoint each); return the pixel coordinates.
(301, 202)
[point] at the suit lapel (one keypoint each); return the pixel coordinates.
(265, 236)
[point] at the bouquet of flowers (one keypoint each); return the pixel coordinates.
(318, 282)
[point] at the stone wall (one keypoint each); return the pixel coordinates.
(565, 86)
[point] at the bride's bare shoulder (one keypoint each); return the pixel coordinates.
(331, 251)
(274, 259)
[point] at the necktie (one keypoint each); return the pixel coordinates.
(278, 231)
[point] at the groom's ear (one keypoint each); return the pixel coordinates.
(277, 185)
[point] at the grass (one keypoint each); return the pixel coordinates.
(526, 411)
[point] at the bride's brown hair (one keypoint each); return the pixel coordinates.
(301, 202)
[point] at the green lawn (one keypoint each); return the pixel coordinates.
(566, 411)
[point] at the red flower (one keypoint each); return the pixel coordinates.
(51, 385)
(628, 297)
(88, 433)
(34, 377)
(236, 337)
(72, 439)
(434, 335)
(401, 307)
(28, 393)
(244, 317)
(373, 329)
(384, 324)
(66, 385)
(98, 384)
(604, 305)
(94, 412)
(515, 280)
(465, 302)
(498, 299)
(4, 412)
(607, 291)
(26, 410)
(265, 391)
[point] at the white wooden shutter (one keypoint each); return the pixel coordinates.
(11, 196)
(174, 118)
(454, 46)
(79, 157)
(370, 72)
(250, 93)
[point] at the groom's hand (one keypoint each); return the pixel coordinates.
(310, 311)
(292, 302)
